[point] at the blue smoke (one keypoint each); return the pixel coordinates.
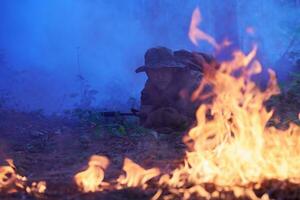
(49, 49)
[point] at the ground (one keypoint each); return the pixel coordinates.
(54, 149)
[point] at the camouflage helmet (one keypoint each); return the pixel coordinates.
(162, 57)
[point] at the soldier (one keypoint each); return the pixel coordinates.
(172, 78)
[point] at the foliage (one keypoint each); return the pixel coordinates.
(116, 125)
(94, 118)
(87, 95)
(287, 104)
(293, 92)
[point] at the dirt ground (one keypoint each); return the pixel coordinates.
(54, 149)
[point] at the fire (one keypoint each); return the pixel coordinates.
(37, 188)
(195, 34)
(91, 179)
(234, 147)
(10, 181)
(136, 176)
(231, 147)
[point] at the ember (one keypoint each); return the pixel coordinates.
(10, 181)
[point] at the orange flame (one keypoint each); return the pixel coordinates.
(136, 175)
(37, 188)
(10, 181)
(195, 34)
(235, 147)
(90, 180)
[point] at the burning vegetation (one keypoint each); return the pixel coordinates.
(91, 179)
(232, 151)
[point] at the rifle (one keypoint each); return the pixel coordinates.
(133, 112)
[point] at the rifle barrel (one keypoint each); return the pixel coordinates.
(115, 113)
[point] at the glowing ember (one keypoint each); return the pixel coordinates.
(91, 179)
(136, 175)
(37, 188)
(10, 181)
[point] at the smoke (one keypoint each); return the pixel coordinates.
(46, 45)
